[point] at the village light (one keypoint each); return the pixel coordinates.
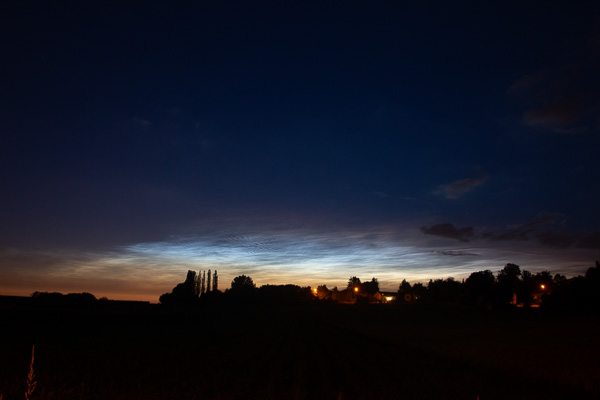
(543, 287)
(356, 289)
(315, 290)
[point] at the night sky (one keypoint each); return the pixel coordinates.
(295, 142)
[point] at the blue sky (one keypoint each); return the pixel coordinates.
(297, 143)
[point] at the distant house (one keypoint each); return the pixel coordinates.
(346, 296)
(376, 298)
(350, 296)
(536, 297)
(388, 297)
(382, 297)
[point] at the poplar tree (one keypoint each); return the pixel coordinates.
(215, 281)
(203, 284)
(197, 285)
(208, 281)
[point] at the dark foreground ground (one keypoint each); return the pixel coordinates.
(299, 352)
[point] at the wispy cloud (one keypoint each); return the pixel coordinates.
(528, 229)
(459, 188)
(458, 253)
(141, 121)
(380, 193)
(559, 114)
(560, 240)
(276, 253)
(549, 229)
(563, 98)
(448, 230)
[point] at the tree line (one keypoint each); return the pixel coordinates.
(511, 286)
(195, 286)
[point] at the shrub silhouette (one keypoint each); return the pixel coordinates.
(183, 293)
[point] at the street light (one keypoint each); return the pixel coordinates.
(543, 287)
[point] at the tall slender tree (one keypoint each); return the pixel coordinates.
(208, 281)
(197, 288)
(203, 284)
(215, 281)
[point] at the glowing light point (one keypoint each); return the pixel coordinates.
(543, 287)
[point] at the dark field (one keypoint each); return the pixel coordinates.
(323, 351)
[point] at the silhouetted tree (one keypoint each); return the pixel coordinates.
(46, 298)
(533, 287)
(197, 285)
(444, 290)
(335, 294)
(370, 288)
(509, 274)
(404, 287)
(405, 293)
(353, 283)
(215, 281)
(203, 284)
(581, 293)
(243, 290)
(525, 288)
(507, 284)
(165, 298)
(479, 286)
(593, 274)
(284, 294)
(183, 293)
(242, 283)
(323, 293)
(542, 285)
(592, 277)
(190, 278)
(80, 299)
(559, 280)
(419, 292)
(208, 282)
(83, 299)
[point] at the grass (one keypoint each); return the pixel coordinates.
(337, 352)
(31, 383)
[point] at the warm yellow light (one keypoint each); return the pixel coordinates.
(543, 287)
(315, 290)
(356, 289)
(388, 298)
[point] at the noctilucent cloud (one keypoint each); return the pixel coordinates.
(295, 143)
